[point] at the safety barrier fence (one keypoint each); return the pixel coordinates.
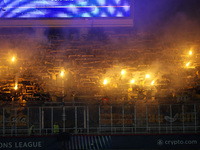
(97, 119)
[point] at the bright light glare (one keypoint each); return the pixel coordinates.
(152, 83)
(147, 76)
(13, 59)
(190, 53)
(105, 81)
(123, 72)
(16, 87)
(187, 64)
(62, 73)
(132, 81)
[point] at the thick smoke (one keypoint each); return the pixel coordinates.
(162, 29)
(21, 44)
(174, 29)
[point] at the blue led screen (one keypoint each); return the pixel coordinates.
(64, 8)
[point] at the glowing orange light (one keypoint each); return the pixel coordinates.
(187, 64)
(132, 81)
(123, 72)
(152, 83)
(16, 87)
(62, 73)
(105, 81)
(190, 53)
(147, 76)
(13, 59)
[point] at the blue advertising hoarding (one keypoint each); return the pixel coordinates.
(64, 8)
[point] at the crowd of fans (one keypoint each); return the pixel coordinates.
(87, 61)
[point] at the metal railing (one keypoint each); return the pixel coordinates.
(97, 119)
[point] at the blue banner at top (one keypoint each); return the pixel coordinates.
(64, 8)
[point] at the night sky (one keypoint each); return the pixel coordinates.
(151, 14)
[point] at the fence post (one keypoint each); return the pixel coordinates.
(170, 117)
(135, 118)
(99, 118)
(63, 115)
(111, 121)
(3, 121)
(88, 121)
(183, 115)
(159, 118)
(51, 119)
(75, 119)
(15, 122)
(195, 118)
(40, 120)
(28, 120)
(147, 123)
(123, 116)
(85, 118)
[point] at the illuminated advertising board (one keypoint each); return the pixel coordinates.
(38, 9)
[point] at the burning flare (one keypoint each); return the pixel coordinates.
(190, 53)
(62, 73)
(147, 76)
(13, 59)
(132, 81)
(123, 72)
(187, 65)
(152, 83)
(16, 87)
(105, 81)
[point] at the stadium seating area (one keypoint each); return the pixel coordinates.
(88, 57)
